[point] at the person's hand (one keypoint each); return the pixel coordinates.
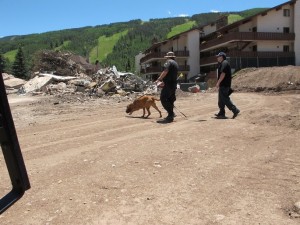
(160, 83)
(217, 85)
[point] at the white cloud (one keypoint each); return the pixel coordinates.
(183, 15)
(214, 11)
(169, 12)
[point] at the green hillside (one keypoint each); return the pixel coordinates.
(105, 46)
(181, 28)
(251, 12)
(112, 44)
(10, 55)
(234, 18)
(64, 45)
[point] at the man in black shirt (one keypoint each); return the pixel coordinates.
(224, 87)
(168, 81)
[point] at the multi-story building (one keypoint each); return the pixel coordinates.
(186, 48)
(269, 38)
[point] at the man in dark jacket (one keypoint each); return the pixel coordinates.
(168, 81)
(224, 87)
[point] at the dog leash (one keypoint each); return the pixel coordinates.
(180, 111)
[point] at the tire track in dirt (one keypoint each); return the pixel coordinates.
(202, 174)
(87, 134)
(108, 129)
(203, 112)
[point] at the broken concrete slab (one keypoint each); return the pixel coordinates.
(14, 83)
(80, 82)
(57, 77)
(7, 76)
(108, 85)
(35, 84)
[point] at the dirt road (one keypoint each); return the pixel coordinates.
(89, 163)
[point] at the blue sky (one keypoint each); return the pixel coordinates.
(20, 17)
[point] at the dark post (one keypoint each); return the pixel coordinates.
(12, 153)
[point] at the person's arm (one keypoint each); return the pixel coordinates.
(162, 75)
(165, 72)
(222, 76)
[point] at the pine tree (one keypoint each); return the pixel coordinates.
(18, 68)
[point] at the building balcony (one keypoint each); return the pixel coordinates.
(160, 55)
(184, 69)
(223, 39)
(159, 69)
(239, 54)
(152, 69)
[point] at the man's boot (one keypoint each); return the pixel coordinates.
(235, 111)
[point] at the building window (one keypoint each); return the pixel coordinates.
(286, 30)
(254, 48)
(286, 48)
(286, 13)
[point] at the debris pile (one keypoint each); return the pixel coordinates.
(194, 89)
(62, 63)
(105, 82)
(12, 84)
(63, 73)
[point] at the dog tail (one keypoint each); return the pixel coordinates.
(156, 99)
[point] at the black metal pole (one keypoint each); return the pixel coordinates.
(12, 153)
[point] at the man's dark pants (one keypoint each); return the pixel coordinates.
(224, 100)
(167, 98)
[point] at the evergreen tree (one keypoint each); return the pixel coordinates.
(18, 68)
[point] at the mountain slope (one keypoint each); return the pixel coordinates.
(111, 44)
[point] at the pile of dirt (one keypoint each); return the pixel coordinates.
(61, 63)
(268, 79)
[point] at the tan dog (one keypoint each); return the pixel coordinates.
(143, 102)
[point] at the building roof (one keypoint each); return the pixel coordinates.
(245, 20)
(157, 44)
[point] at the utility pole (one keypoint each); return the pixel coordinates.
(97, 49)
(98, 43)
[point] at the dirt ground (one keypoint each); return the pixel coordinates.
(90, 163)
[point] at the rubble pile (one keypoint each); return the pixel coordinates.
(106, 82)
(12, 84)
(62, 63)
(65, 75)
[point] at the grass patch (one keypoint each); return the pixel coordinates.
(233, 18)
(11, 55)
(181, 28)
(105, 46)
(65, 44)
